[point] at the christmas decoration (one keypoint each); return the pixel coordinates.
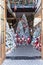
(23, 31)
(28, 40)
(15, 7)
(9, 37)
(36, 38)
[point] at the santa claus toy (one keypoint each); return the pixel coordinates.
(28, 40)
(16, 35)
(20, 41)
(23, 38)
(36, 42)
(39, 37)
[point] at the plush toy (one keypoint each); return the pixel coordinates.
(23, 38)
(28, 40)
(20, 41)
(37, 44)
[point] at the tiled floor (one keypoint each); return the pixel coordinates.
(23, 62)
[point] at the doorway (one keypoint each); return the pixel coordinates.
(32, 43)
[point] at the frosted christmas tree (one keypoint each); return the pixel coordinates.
(25, 26)
(36, 38)
(9, 37)
(23, 30)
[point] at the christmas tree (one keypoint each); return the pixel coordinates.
(36, 38)
(23, 29)
(9, 37)
(25, 26)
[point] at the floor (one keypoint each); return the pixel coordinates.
(23, 62)
(23, 51)
(27, 51)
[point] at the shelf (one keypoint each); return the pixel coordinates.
(10, 10)
(11, 18)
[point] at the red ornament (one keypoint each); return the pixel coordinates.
(15, 8)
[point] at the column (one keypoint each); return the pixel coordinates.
(42, 31)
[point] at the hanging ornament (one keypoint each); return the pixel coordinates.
(15, 7)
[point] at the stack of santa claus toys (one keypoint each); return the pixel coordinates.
(20, 41)
(37, 43)
(17, 39)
